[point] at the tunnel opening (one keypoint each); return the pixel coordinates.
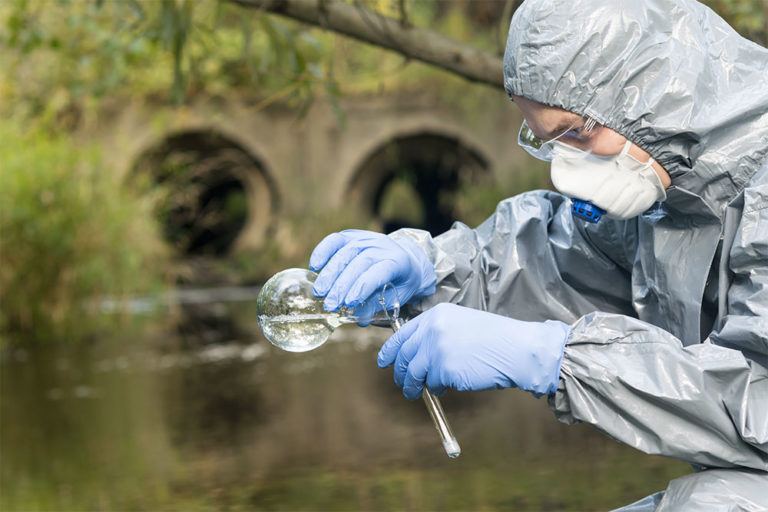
(202, 182)
(412, 181)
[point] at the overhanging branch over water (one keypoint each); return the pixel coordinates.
(368, 26)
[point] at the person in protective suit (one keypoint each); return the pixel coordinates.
(652, 322)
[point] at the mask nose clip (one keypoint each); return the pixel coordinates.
(587, 211)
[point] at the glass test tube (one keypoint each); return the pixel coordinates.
(450, 444)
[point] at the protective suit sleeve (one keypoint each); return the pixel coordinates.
(705, 403)
(531, 261)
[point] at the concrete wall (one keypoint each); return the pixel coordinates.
(309, 163)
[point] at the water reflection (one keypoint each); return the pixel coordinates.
(159, 418)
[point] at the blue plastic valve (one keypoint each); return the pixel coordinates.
(586, 211)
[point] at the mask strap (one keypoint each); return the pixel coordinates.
(625, 152)
(625, 149)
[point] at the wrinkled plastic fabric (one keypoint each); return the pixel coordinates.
(714, 489)
(668, 350)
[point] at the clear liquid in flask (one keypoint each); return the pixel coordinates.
(302, 332)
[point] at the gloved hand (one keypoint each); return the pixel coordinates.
(452, 346)
(356, 264)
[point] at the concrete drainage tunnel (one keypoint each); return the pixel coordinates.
(412, 181)
(210, 189)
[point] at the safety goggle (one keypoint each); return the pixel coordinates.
(544, 150)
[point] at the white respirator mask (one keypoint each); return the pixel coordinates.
(618, 184)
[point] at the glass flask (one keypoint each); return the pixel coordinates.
(292, 318)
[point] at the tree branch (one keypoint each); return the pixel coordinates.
(368, 26)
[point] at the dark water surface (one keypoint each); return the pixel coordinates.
(200, 413)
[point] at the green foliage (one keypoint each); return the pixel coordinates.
(84, 50)
(63, 53)
(69, 233)
(748, 17)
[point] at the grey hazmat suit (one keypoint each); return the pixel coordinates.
(668, 350)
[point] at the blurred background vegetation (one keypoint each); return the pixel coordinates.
(72, 230)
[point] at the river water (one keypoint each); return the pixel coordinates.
(191, 409)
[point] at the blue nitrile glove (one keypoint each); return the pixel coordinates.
(452, 346)
(356, 264)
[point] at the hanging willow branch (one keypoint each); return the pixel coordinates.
(371, 27)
